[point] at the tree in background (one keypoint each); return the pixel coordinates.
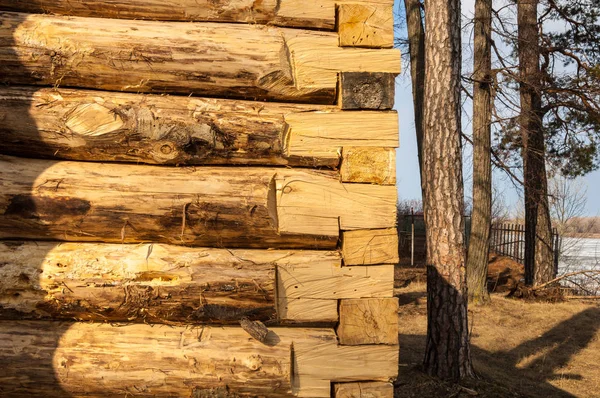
(481, 219)
(539, 265)
(447, 352)
(558, 122)
(416, 49)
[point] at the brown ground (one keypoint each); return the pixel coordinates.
(519, 349)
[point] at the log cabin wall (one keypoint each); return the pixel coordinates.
(173, 172)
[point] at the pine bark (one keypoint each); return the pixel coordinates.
(416, 48)
(539, 266)
(479, 241)
(447, 352)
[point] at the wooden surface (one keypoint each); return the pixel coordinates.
(209, 206)
(304, 206)
(377, 246)
(225, 60)
(364, 90)
(324, 134)
(369, 165)
(367, 389)
(319, 363)
(308, 13)
(136, 283)
(159, 283)
(331, 281)
(368, 321)
(109, 126)
(191, 246)
(365, 25)
(165, 284)
(307, 311)
(83, 359)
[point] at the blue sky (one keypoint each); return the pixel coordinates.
(407, 163)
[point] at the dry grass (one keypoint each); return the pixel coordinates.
(519, 349)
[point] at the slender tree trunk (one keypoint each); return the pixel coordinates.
(447, 354)
(539, 267)
(479, 243)
(416, 48)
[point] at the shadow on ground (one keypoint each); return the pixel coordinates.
(526, 370)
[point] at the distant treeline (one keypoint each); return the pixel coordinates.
(583, 226)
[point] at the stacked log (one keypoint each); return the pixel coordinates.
(180, 175)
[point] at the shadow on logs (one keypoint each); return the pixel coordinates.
(33, 369)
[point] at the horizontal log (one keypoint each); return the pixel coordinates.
(341, 206)
(81, 359)
(311, 14)
(320, 364)
(158, 283)
(140, 283)
(210, 206)
(225, 60)
(109, 126)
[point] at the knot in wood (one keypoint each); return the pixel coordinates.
(253, 362)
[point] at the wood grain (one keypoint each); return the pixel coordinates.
(108, 126)
(369, 165)
(376, 246)
(308, 13)
(368, 321)
(366, 25)
(209, 206)
(367, 389)
(214, 59)
(366, 90)
(83, 359)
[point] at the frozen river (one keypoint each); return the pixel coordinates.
(581, 254)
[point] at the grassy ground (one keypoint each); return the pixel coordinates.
(519, 349)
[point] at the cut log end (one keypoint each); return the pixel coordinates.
(367, 389)
(369, 165)
(371, 246)
(368, 321)
(363, 90)
(370, 26)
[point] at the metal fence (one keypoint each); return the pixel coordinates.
(509, 240)
(505, 239)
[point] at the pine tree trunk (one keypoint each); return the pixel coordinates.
(447, 354)
(416, 47)
(539, 267)
(479, 243)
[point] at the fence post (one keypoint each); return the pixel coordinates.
(412, 237)
(556, 249)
